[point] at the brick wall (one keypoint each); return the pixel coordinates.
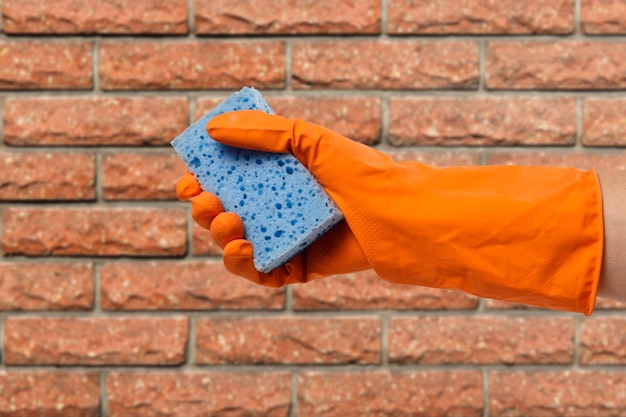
(113, 303)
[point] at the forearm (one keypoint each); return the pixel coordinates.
(613, 277)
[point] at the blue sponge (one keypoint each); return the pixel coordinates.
(284, 209)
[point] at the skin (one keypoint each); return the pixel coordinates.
(613, 276)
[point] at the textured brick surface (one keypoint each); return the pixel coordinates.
(436, 158)
(482, 121)
(47, 176)
(382, 393)
(505, 305)
(603, 17)
(385, 65)
(603, 341)
(202, 243)
(484, 340)
(136, 232)
(287, 17)
(46, 286)
(572, 65)
(90, 121)
(580, 160)
(288, 340)
(557, 393)
(141, 176)
(104, 275)
(603, 122)
(183, 65)
(480, 17)
(95, 341)
(50, 394)
(198, 394)
(35, 65)
(366, 291)
(608, 304)
(95, 16)
(181, 286)
(359, 118)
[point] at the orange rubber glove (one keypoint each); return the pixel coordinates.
(530, 235)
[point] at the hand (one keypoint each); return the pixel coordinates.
(335, 252)
(526, 234)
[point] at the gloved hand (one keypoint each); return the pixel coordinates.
(530, 235)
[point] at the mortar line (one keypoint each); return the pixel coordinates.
(354, 92)
(482, 74)
(384, 20)
(191, 21)
(288, 66)
(190, 348)
(95, 63)
(384, 339)
(327, 368)
(229, 38)
(97, 307)
(293, 408)
(577, 19)
(104, 411)
(485, 375)
(288, 307)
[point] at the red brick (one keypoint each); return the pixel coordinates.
(285, 340)
(603, 122)
(482, 121)
(356, 118)
(607, 304)
(505, 305)
(480, 17)
(202, 243)
(602, 341)
(287, 17)
(557, 393)
(385, 65)
(571, 65)
(95, 16)
(198, 394)
(603, 17)
(141, 176)
(91, 121)
(182, 286)
(35, 65)
(437, 158)
(191, 65)
(581, 160)
(50, 394)
(366, 291)
(47, 176)
(46, 286)
(96, 232)
(481, 340)
(384, 393)
(95, 341)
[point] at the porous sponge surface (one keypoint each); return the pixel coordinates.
(283, 207)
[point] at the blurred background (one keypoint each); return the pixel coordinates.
(114, 303)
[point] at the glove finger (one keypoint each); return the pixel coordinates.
(239, 260)
(327, 154)
(187, 187)
(225, 227)
(204, 207)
